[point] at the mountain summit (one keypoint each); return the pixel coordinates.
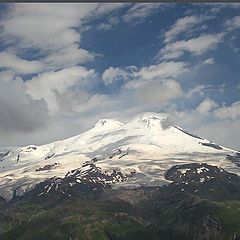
(147, 146)
(108, 123)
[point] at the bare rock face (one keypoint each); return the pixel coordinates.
(235, 158)
(195, 172)
(81, 182)
(47, 167)
(203, 180)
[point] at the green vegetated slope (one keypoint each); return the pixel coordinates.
(75, 219)
(229, 214)
(180, 216)
(187, 217)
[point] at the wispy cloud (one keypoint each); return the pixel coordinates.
(182, 25)
(196, 46)
(140, 11)
(233, 23)
(9, 60)
(209, 61)
(109, 24)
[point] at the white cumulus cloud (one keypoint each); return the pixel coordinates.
(229, 112)
(206, 106)
(46, 85)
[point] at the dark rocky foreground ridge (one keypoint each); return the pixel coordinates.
(201, 203)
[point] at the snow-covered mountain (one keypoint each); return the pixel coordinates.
(147, 146)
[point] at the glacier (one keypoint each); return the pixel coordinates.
(147, 146)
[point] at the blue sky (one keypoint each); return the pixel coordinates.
(64, 66)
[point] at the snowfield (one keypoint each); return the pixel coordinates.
(147, 146)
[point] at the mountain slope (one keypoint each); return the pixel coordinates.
(146, 146)
(171, 212)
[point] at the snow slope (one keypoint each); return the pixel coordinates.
(147, 145)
